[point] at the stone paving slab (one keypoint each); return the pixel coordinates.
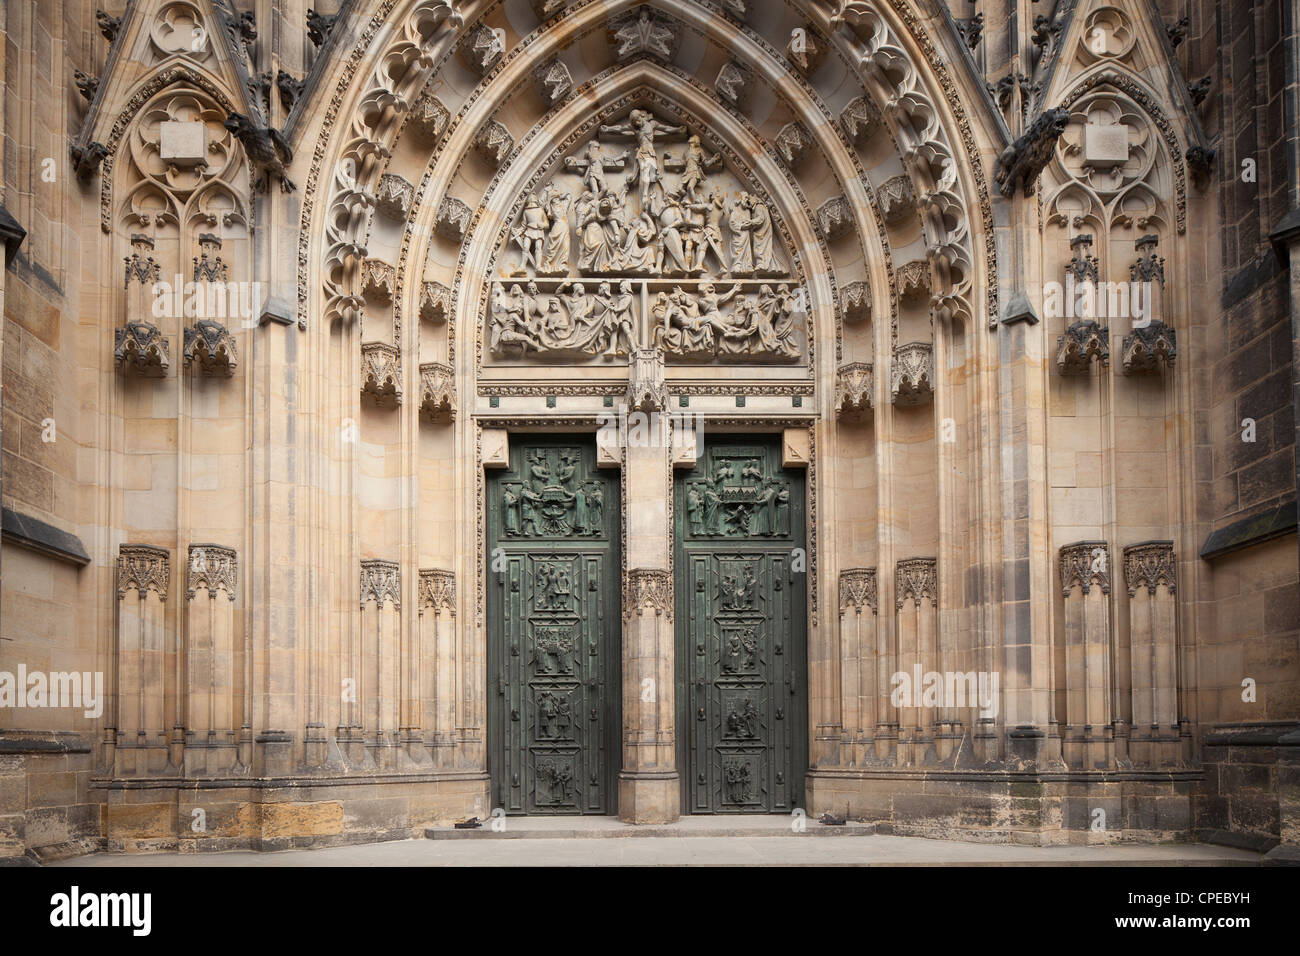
(681, 850)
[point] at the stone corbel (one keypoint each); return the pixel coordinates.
(734, 82)
(853, 387)
(214, 346)
(394, 196)
(1082, 342)
(453, 219)
(911, 374)
(435, 302)
(835, 218)
(437, 391)
(381, 373)
(552, 81)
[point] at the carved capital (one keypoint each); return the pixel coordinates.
(437, 391)
(141, 348)
(381, 373)
(381, 582)
(144, 569)
(1148, 565)
(646, 589)
(213, 567)
(212, 344)
(1084, 564)
(916, 578)
(1082, 342)
(438, 589)
(858, 589)
(853, 387)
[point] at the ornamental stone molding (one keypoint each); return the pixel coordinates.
(911, 374)
(212, 567)
(853, 387)
(437, 589)
(381, 582)
(646, 589)
(1149, 565)
(437, 391)
(858, 589)
(1082, 342)
(213, 346)
(143, 568)
(381, 373)
(917, 579)
(1084, 564)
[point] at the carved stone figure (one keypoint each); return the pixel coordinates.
(267, 150)
(642, 126)
(1020, 163)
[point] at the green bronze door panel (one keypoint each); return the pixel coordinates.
(741, 598)
(553, 630)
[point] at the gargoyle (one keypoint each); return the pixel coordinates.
(267, 150)
(290, 89)
(86, 159)
(1020, 163)
(319, 26)
(108, 25)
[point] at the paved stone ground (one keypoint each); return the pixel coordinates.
(692, 841)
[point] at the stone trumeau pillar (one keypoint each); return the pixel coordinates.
(1088, 740)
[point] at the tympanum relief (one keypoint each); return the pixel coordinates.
(643, 238)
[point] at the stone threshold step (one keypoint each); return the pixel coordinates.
(580, 828)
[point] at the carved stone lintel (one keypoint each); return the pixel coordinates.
(494, 143)
(378, 279)
(1082, 342)
(855, 302)
(734, 82)
(438, 589)
(429, 118)
(1020, 163)
(805, 49)
(1085, 563)
(835, 217)
(213, 345)
(141, 348)
(381, 373)
(143, 569)
(381, 582)
(793, 144)
(853, 387)
(646, 390)
(644, 31)
(913, 279)
(1148, 565)
(646, 589)
(482, 49)
(897, 199)
(858, 589)
(1147, 348)
(911, 374)
(860, 120)
(394, 196)
(453, 219)
(552, 81)
(437, 391)
(435, 301)
(916, 578)
(212, 567)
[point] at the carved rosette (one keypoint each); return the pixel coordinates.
(911, 374)
(647, 589)
(552, 81)
(835, 217)
(438, 589)
(213, 345)
(646, 390)
(916, 578)
(644, 31)
(1149, 565)
(141, 348)
(381, 582)
(793, 144)
(734, 82)
(381, 373)
(435, 302)
(429, 118)
(1084, 564)
(853, 386)
(855, 302)
(1082, 342)
(860, 120)
(453, 219)
(394, 196)
(213, 567)
(897, 199)
(378, 279)
(1148, 348)
(494, 143)
(858, 589)
(143, 568)
(437, 391)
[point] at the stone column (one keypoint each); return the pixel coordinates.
(915, 598)
(1149, 573)
(143, 577)
(377, 680)
(860, 662)
(211, 705)
(1088, 741)
(436, 662)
